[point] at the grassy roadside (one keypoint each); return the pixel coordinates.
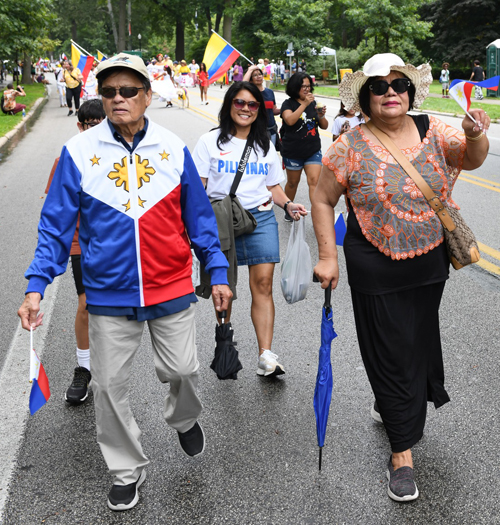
(444, 105)
(33, 93)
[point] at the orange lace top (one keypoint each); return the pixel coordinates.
(392, 212)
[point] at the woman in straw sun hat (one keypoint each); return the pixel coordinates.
(396, 258)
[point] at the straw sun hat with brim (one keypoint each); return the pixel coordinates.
(380, 66)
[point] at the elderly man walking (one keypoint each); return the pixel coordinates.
(141, 203)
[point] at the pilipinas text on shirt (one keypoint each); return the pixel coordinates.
(253, 168)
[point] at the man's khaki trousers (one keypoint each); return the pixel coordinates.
(113, 344)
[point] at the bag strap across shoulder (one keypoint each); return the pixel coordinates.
(433, 200)
(241, 168)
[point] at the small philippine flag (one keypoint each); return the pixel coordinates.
(40, 391)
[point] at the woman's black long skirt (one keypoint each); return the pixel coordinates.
(400, 345)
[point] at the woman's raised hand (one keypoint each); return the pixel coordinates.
(482, 122)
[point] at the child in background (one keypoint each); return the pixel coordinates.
(444, 79)
(345, 121)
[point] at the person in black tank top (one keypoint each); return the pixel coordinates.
(396, 259)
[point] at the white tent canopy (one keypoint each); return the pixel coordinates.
(327, 51)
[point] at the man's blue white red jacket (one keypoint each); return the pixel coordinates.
(136, 213)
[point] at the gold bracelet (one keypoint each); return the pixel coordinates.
(475, 139)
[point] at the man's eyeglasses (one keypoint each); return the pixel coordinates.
(305, 87)
(125, 92)
(239, 103)
(398, 85)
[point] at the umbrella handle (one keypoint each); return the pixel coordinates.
(328, 292)
(222, 315)
(328, 296)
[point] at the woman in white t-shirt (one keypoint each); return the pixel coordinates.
(217, 156)
(345, 121)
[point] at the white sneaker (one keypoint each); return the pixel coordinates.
(268, 365)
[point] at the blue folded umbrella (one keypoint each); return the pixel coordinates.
(324, 379)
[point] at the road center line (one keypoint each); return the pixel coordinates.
(15, 388)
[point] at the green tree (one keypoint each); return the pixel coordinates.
(462, 29)
(301, 22)
(251, 18)
(388, 22)
(24, 26)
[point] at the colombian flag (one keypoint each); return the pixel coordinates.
(461, 90)
(218, 57)
(40, 391)
(81, 61)
(101, 56)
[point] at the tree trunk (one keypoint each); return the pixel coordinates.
(228, 20)
(218, 18)
(73, 30)
(209, 20)
(179, 40)
(359, 37)
(122, 22)
(113, 25)
(129, 18)
(344, 32)
(387, 43)
(27, 70)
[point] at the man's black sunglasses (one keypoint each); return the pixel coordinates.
(399, 85)
(125, 92)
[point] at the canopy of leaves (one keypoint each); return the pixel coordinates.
(24, 26)
(388, 22)
(462, 29)
(300, 22)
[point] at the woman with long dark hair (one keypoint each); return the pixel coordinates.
(301, 143)
(243, 118)
(203, 79)
(256, 77)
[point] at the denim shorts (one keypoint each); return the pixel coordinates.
(298, 164)
(262, 245)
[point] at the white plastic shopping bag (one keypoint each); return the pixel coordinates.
(296, 268)
(195, 268)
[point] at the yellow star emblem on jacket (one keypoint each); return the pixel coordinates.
(164, 156)
(120, 175)
(95, 160)
(139, 201)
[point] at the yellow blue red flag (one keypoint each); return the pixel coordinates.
(82, 61)
(461, 90)
(218, 57)
(101, 56)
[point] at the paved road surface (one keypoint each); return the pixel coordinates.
(260, 464)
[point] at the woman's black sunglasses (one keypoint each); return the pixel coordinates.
(125, 92)
(399, 85)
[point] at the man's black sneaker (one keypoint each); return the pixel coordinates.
(125, 497)
(79, 390)
(70, 112)
(193, 441)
